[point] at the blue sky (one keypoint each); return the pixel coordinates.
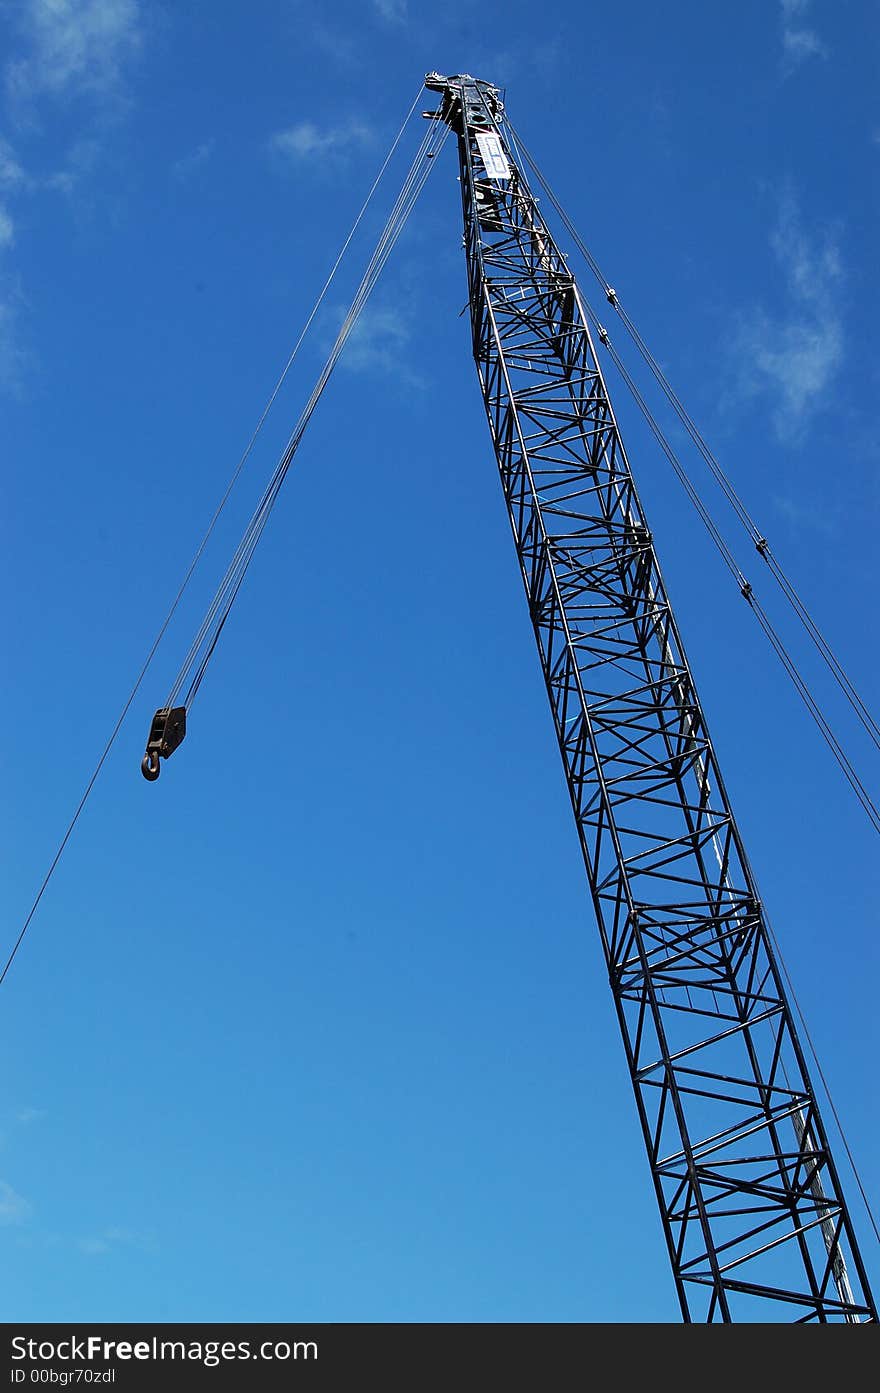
(317, 1026)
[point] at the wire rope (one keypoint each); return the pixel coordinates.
(845, 764)
(746, 591)
(194, 562)
(194, 666)
(751, 528)
(868, 805)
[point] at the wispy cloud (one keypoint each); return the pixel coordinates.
(14, 1208)
(73, 46)
(306, 140)
(327, 29)
(20, 1117)
(14, 358)
(381, 342)
(12, 175)
(392, 11)
(61, 50)
(25, 1116)
(802, 513)
(341, 46)
(82, 159)
(799, 42)
(502, 65)
(188, 164)
(96, 1244)
(795, 355)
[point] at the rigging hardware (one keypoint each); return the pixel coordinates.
(166, 733)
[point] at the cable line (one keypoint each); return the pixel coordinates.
(830, 1228)
(870, 808)
(226, 592)
(868, 805)
(843, 1137)
(169, 723)
(755, 534)
(196, 558)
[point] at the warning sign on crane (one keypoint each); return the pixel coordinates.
(493, 155)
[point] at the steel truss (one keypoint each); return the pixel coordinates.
(751, 1205)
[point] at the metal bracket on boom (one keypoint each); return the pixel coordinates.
(464, 95)
(166, 733)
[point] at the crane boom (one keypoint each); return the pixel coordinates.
(750, 1200)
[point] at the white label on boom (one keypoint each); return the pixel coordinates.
(493, 155)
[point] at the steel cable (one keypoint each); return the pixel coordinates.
(318, 302)
(870, 808)
(193, 563)
(218, 612)
(868, 805)
(744, 517)
(745, 589)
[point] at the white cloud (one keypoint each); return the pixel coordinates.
(798, 41)
(381, 342)
(62, 49)
(342, 47)
(188, 164)
(93, 1245)
(798, 44)
(795, 356)
(503, 65)
(803, 513)
(12, 175)
(392, 11)
(13, 1207)
(797, 359)
(377, 339)
(82, 159)
(13, 358)
(25, 1116)
(73, 46)
(809, 269)
(305, 140)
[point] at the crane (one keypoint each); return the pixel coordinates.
(751, 1205)
(752, 1210)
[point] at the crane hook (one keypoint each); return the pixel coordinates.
(150, 765)
(166, 732)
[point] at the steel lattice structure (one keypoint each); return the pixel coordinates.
(752, 1209)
